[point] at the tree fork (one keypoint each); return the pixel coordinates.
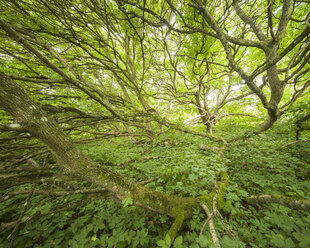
(30, 116)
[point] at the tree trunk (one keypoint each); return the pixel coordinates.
(30, 117)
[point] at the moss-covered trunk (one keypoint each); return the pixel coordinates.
(30, 117)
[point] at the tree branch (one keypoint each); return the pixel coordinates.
(12, 127)
(16, 228)
(285, 201)
(285, 18)
(215, 240)
(248, 20)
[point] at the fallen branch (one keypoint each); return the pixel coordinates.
(283, 200)
(227, 226)
(151, 180)
(207, 147)
(215, 240)
(294, 142)
(204, 224)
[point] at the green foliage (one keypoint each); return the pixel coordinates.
(259, 166)
(127, 201)
(128, 69)
(164, 243)
(256, 166)
(97, 223)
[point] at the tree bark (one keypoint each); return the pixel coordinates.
(30, 116)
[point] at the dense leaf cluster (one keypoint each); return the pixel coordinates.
(255, 166)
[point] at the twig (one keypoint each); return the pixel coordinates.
(227, 226)
(204, 224)
(294, 142)
(215, 240)
(151, 180)
(15, 230)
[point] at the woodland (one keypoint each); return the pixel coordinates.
(154, 123)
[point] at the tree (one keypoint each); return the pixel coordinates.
(121, 68)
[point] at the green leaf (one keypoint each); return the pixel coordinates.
(178, 242)
(163, 244)
(168, 239)
(230, 242)
(203, 241)
(127, 201)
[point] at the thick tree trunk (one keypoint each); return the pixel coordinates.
(30, 117)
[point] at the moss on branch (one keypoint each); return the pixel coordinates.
(222, 185)
(176, 224)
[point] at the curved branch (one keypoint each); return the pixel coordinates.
(249, 80)
(290, 47)
(215, 239)
(16, 36)
(37, 80)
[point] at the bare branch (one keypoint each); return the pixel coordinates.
(215, 240)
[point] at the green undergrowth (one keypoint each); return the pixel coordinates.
(184, 169)
(260, 165)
